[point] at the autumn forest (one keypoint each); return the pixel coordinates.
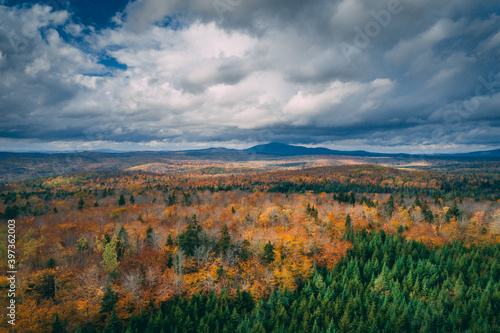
(361, 248)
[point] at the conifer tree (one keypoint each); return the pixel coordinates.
(268, 253)
(121, 200)
(109, 300)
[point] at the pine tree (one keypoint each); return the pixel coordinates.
(121, 200)
(390, 205)
(57, 325)
(234, 320)
(109, 300)
(149, 233)
(51, 263)
(170, 241)
(189, 239)
(81, 203)
(114, 325)
(348, 223)
(225, 240)
(352, 199)
(268, 253)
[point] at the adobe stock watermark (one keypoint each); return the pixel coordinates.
(381, 20)
(224, 6)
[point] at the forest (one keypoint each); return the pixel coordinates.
(360, 248)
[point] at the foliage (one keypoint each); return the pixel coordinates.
(257, 251)
(384, 284)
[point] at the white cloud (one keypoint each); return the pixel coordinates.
(340, 104)
(277, 67)
(142, 13)
(75, 30)
(348, 12)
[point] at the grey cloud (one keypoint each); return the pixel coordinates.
(262, 70)
(229, 70)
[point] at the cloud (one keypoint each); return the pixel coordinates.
(183, 73)
(328, 108)
(142, 13)
(406, 50)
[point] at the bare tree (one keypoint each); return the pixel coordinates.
(132, 284)
(210, 283)
(178, 267)
(199, 253)
(230, 257)
(152, 275)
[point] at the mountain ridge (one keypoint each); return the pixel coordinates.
(270, 149)
(282, 149)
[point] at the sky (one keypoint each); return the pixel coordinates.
(411, 76)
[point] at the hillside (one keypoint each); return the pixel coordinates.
(272, 156)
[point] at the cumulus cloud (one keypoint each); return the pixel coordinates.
(175, 73)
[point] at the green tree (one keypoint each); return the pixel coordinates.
(121, 200)
(352, 198)
(389, 206)
(171, 199)
(57, 325)
(81, 203)
(51, 263)
(225, 240)
(109, 300)
(170, 241)
(11, 212)
(109, 256)
(150, 239)
(348, 223)
(345, 325)
(189, 239)
(114, 325)
(268, 253)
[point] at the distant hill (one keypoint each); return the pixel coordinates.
(16, 166)
(486, 153)
(281, 149)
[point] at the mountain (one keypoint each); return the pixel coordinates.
(486, 153)
(281, 149)
(271, 149)
(17, 166)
